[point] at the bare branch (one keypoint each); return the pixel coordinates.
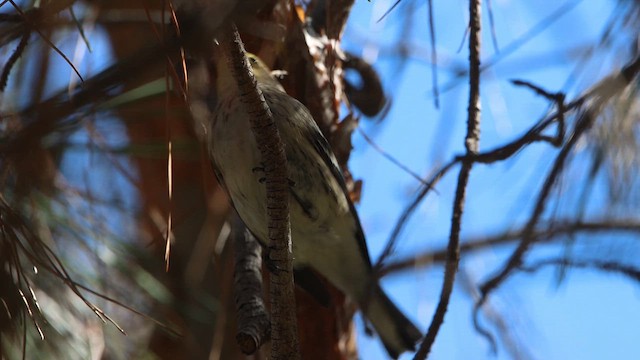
(284, 329)
(253, 319)
(548, 234)
(601, 93)
(629, 271)
(471, 144)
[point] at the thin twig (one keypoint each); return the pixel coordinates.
(389, 10)
(6, 70)
(46, 40)
(601, 93)
(629, 271)
(41, 118)
(404, 217)
(472, 141)
(492, 25)
(390, 157)
(22, 240)
(548, 233)
(515, 260)
(605, 86)
(515, 45)
(434, 56)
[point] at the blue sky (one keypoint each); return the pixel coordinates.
(589, 316)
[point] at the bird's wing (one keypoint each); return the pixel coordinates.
(313, 135)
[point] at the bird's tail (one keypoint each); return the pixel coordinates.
(398, 334)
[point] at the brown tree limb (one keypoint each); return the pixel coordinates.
(629, 271)
(253, 320)
(284, 330)
(548, 234)
(601, 94)
(608, 85)
(471, 144)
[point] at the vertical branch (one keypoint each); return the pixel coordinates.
(473, 122)
(434, 56)
(471, 143)
(253, 320)
(284, 330)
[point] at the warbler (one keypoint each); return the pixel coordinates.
(325, 230)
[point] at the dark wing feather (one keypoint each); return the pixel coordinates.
(322, 147)
(314, 136)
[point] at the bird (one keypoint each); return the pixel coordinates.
(326, 233)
